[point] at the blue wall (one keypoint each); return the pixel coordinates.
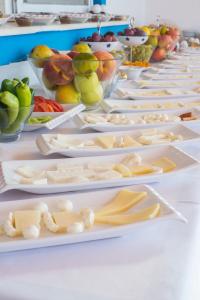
(16, 48)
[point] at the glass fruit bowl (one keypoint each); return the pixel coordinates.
(78, 77)
(142, 53)
(12, 122)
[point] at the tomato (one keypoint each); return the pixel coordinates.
(46, 105)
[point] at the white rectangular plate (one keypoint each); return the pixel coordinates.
(9, 180)
(58, 117)
(141, 94)
(152, 84)
(105, 127)
(82, 200)
(46, 148)
(129, 106)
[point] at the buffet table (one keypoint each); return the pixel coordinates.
(156, 262)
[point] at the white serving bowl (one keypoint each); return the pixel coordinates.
(133, 73)
(103, 46)
(132, 40)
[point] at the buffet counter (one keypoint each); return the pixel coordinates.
(16, 42)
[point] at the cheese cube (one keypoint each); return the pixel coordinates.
(142, 170)
(63, 219)
(130, 142)
(26, 218)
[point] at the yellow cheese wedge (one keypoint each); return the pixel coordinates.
(124, 200)
(26, 218)
(130, 142)
(166, 164)
(143, 215)
(123, 170)
(107, 141)
(142, 170)
(63, 219)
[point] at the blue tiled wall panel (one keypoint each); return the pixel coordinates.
(99, 1)
(16, 48)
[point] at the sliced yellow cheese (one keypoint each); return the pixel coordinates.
(166, 164)
(123, 170)
(63, 219)
(130, 142)
(143, 215)
(107, 141)
(26, 218)
(142, 170)
(124, 200)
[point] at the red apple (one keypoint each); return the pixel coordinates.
(58, 70)
(159, 54)
(73, 54)
(174, 33)
(165, 41)
(107, 65)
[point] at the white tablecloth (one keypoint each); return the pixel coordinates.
(160, 262)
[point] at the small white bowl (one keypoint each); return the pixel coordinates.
(103, 46)
(132, 40)
(133, 73)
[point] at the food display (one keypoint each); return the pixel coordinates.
(131, 165)
(146, 105)
(65, 218)
(136, 119)
(42, 104)
(70, 18)
(16, 101)
(164, 39)
(79, 75)
(98, 42)
(112, 141)
(34, 19)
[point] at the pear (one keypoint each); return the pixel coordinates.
(90, 88)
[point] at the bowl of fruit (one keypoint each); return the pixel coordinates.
(164, 40)
(80, 75)
(133, 37)
(97, 42)
(16, 105)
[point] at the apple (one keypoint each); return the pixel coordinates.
(159, 54)
(58, 70)
(107, 65)
(72, 54)
(174, 33)
(165, 41)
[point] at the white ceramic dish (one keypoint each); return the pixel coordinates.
(153, 94)
(81, 200)
(58, 118)
(132, 40)
(106, 127)
(152, 84)
(173, 77)
(129, 106)
(10, 181)
(103, 46)
(46, 148)
(133, 73)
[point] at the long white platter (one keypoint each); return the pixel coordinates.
(57, 118)
(194, 76)
(129, 106)
(46, 148)
(152, 84)
(82, 200)
(156, 94)
(9, 180)
(81, 123)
